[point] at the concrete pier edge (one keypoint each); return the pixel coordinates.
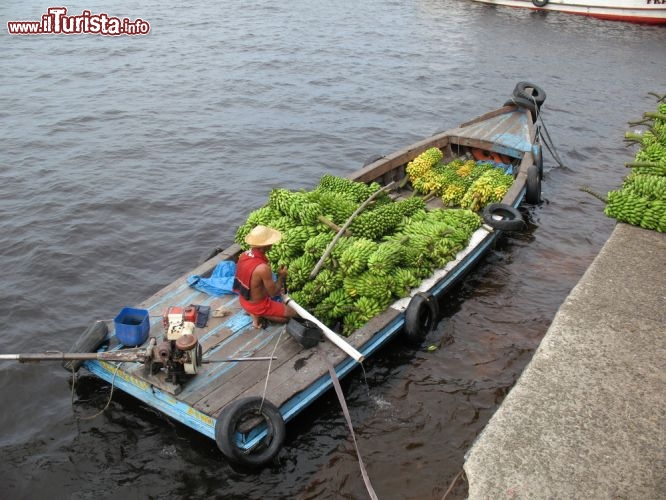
(586, 418)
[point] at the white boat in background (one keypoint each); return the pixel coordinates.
(635, 11)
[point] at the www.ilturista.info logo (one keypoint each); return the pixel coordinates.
(56, 22)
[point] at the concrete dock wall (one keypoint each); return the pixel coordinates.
(587, 418)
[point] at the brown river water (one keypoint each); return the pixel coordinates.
(125, 160)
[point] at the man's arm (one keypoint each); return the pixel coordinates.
(272, 288)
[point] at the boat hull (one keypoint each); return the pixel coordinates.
(299, 375)
(635, 11)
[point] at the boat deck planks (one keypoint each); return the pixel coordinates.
(234, 378)
(233, 336)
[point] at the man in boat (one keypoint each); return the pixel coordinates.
(254, 279)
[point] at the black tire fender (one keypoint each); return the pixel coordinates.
(535, 93)
(421, 316)
(233, 415)
(540, 3)
(89, 341)
(538, 161)
(533, 186)
(503, 217)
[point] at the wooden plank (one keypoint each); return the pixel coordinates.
(293, 372)
(215, 339)
(287, 381)
(284, 382)
(244, 342)
(246, 375)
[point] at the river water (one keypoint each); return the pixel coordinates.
(125, 160)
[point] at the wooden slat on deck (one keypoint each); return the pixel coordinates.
(243, 376)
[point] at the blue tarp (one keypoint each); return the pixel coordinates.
(220, 282)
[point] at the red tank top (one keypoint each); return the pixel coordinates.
(247, 263)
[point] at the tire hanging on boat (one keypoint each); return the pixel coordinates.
(539, 3)
(535, 94)
(89, 341)
(533, 185)
(538, 161)
(234, 415)
(503, 217)
(421, 316)
(524, 102)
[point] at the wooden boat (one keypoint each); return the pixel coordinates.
(215, 398)
(635, 11)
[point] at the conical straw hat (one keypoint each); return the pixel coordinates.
(262, 236)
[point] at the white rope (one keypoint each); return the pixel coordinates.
(268, 372)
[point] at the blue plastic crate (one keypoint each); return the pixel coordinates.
(132, 326)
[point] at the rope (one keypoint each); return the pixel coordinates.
(455, 479)
(345, 411)
(547, 141)
(73, 382)
(108, 403)
(551, 146)
(268, 372)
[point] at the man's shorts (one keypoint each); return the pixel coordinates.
(265, 307)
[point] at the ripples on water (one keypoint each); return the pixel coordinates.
(126, 160)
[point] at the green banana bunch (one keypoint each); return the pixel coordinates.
(646, 185)
(342, 302)
(641, 201)
(386, 258)
(299, 271)
(359, 191)
(354, 259)
(395, 244)
(403, 281)
(368, 284)
(626, 206)
(316, 245)
(374, 224)
(242, 231)
(263, 216)
(339, 206)
(326, 282)
(460, 219)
